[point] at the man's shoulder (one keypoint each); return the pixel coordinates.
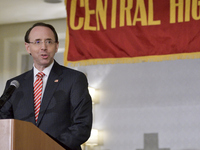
(23, 75)
(72, 71)
(68, 70)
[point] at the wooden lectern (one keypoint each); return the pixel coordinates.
(22, 135)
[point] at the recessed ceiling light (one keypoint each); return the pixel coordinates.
(53, 1)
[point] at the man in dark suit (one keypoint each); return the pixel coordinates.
(65, 112)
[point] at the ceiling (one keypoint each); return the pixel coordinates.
(16, 11)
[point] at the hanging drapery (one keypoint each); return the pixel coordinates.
(131, 31)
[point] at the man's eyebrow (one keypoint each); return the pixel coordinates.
(49, 39)
(45, 39)
(37, 39)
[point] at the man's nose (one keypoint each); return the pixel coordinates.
(43, 45)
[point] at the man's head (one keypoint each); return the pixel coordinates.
(41, 41)
(26, 37)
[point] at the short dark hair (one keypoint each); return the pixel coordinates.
(26, 37)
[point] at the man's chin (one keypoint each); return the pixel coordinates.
(46, 63)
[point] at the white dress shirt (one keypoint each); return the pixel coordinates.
(46, 71)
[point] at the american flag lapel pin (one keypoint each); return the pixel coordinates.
(56, 80)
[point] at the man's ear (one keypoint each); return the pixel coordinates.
(57, 46)
(27, 46)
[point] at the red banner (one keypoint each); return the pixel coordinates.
(130, 31)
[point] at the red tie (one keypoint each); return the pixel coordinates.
(38, 93)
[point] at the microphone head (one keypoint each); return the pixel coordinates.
(15, 83)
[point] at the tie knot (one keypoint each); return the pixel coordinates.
(40, 75)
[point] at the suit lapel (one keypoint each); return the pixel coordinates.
(52, 83)
(28, 96)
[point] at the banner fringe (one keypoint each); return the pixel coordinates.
(155, 58)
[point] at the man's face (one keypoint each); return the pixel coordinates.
(42, 53)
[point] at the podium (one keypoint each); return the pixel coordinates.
(22, 135)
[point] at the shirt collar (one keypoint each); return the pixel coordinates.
(46, 71)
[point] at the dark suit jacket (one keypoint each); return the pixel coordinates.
(66, 109)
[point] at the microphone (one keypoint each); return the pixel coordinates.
(6, 95)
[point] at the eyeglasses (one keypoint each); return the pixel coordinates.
(39, 42)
